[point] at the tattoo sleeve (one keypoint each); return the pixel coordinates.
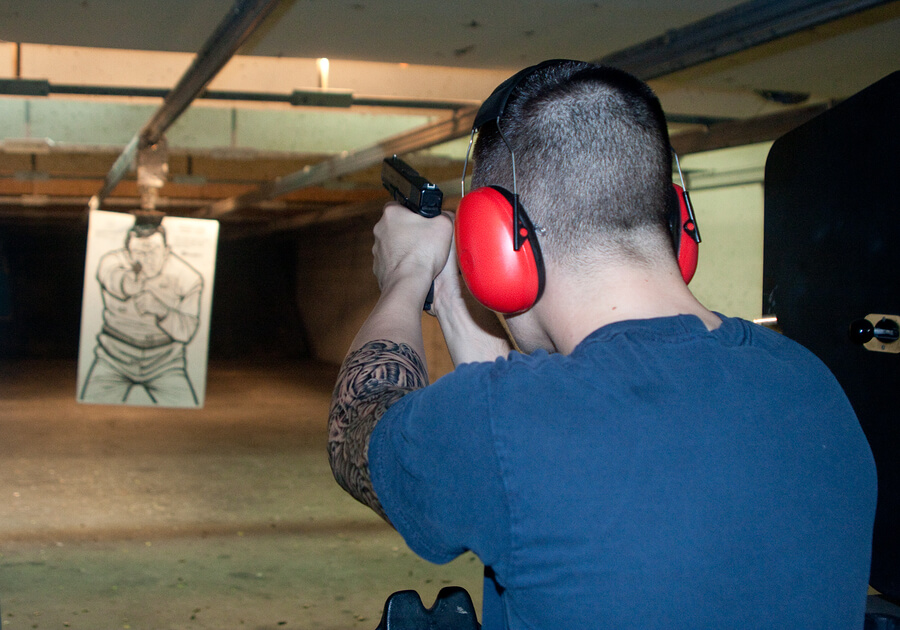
(371, 379)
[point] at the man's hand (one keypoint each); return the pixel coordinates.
(147, 303)
(410, 246)
(133, 281)
(411, 251)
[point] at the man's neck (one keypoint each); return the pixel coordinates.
(575, 305)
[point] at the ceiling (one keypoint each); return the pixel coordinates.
(468, 33)
(721, 99)
(501, 34)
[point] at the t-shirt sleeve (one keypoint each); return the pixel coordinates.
(435, 470)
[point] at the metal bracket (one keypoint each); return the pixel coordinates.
(152, 172)
(877, 332)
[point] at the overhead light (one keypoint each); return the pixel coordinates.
(323, 64)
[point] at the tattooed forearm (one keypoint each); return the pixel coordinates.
(371, 379)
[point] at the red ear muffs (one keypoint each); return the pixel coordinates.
(501, 278)
(686, 235)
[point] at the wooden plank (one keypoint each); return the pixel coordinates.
(68, 187)
(12, 163)
(743, 132)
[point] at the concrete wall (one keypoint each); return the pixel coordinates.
(727, 192)
(730, 269)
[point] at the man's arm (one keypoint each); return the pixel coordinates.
(114, 267)
(181, 319)
(372, 379)
(386, 360)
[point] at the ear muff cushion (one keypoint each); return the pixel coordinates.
(685, 245)
(502, 279)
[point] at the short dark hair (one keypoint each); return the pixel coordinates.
(593, 160)
(144, 228)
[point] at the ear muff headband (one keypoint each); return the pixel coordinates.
(501, 277)
(492, 109)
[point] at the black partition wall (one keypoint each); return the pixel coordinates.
(832, 258)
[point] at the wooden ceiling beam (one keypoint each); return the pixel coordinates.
(743, 132)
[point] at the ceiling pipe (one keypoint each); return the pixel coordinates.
(243, 18)
(297, 98)
(731, 31)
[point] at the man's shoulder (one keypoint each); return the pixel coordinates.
(776, 343)
(473, 384)
(515, 364)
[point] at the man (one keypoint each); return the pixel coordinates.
(151, 310)
(642, 461)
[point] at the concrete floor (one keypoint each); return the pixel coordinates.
(227, 517)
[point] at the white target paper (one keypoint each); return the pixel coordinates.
(145, 312)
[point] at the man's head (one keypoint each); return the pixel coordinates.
(146, 244)
(593, 163)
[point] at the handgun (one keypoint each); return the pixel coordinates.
(413, 191)
(410, 189)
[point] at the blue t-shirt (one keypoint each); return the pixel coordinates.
(660, 476)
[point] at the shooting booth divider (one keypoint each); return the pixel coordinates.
(831, 258)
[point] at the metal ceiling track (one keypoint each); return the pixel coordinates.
(241, 21)
(742, 27)
(731, 31)
(456, 126)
